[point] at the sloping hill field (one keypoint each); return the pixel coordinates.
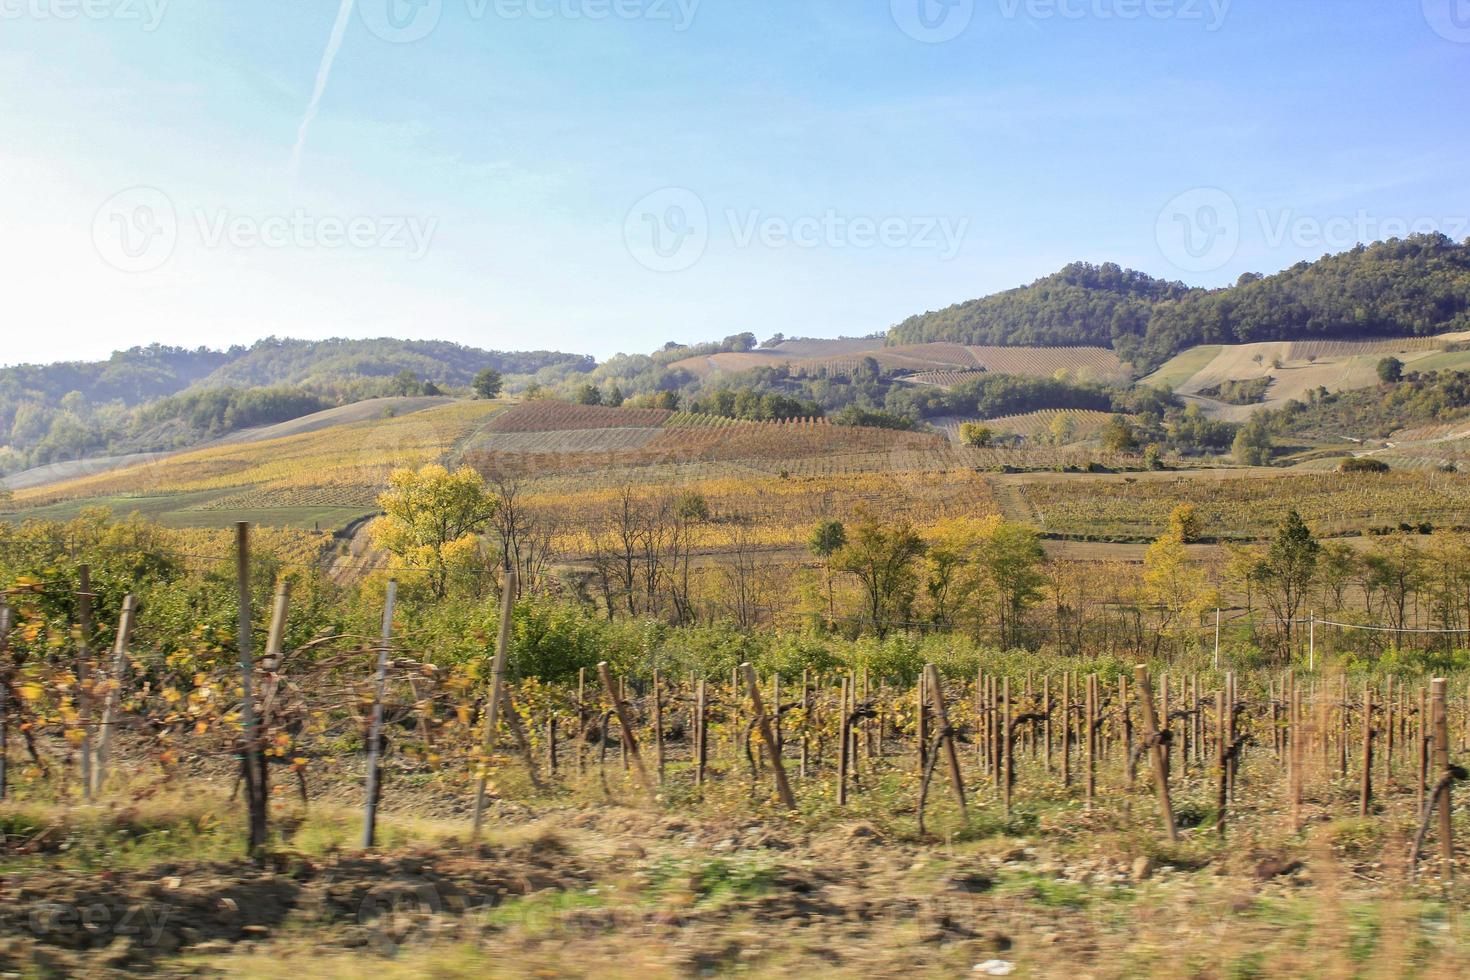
(328, 476)
(1298, 367)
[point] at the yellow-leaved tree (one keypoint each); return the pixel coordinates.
(432, 520)
(1175, 587)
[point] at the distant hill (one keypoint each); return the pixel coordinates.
(1417, 286)
(155, 398)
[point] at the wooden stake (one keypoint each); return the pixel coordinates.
(492, 705)
(375, 730)
(625, 722)
(768, 735)
(1441, 766)
(5, 626)
(941, 716)
(844, 747)
(253, 762)
(1156, 753)
(84, 681)
(114, 690)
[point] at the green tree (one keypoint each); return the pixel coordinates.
(1185, 521)
(827, 538)
(1012, 558)
(615, 397)
(881, 554)
(489, 383)
(1390, 370)
(976, 435)
(432, 519)
(1253, 444)
(1118, 435)
(589, 395)
(1287, 572)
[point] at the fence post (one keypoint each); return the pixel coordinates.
(252, 761)
(5, 616)
(1156, 749)
(375, 728)
(625, 722)
(84, 657)
(768, 735)
(109, 708)
(492, 706)
(941, 715)
(1442, 766)
(844, 747)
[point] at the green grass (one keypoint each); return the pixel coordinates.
(1181, 367)
(1444, 361)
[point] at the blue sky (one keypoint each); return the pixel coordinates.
(814, 167)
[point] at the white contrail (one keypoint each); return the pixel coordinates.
(334, 44)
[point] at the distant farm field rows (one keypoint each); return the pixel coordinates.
(1242, 506)
(929, 361)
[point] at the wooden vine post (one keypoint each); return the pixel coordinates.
(1365, 786)
(768, 735)
(84, 680)
(844, 744)
(375, 727)
(1153, 739)
(1441, 738)
(253, 758)
(946, 735)
(114, 690)
(625, 723)
(497, 686)
(5, 625)
(701, 733)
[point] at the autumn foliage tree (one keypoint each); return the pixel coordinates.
(432, 520)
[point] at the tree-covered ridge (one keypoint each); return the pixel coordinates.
(160, 398)
(1403, 287)
(1083, 304)
(277, 361)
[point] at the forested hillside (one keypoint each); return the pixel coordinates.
(159, 398)
(1410, 287)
